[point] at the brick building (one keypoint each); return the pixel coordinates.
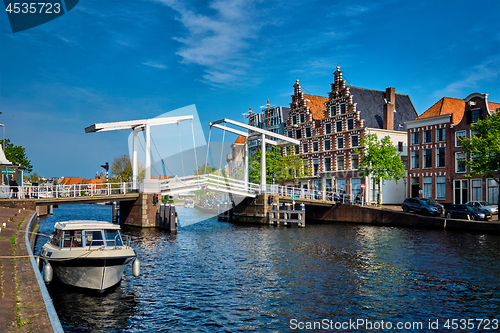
(330, 128)
(434, 151)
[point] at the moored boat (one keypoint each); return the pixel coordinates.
(188, 203)
(87, 254)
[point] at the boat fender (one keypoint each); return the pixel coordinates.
(39, 263)
(48, 273)
(136, 267)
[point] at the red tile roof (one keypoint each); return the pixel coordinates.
(240, 139)
(71, 180)
(446, 105)
(493, 106)
(316, 105)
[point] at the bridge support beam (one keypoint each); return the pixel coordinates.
(144, 213)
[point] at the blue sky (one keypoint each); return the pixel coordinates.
(109, 61)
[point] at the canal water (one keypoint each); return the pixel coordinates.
(220, 277)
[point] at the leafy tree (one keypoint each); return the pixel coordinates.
(33, 178)
(121, 169)
(281, 168)
(380, 160)
(204, 169)
(17, 155)
(483, 148)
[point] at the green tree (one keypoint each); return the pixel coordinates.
(121, 169)
(34, 178)
(281, 168)
(204, 169)
(483, 149)
(17, 155)
(380, 160)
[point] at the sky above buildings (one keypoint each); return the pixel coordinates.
(108, 61)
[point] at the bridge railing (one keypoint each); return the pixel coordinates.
(214, 181)
(64, 191)
(328, 195)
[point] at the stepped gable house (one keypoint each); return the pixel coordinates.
(330, 128)
(435, 170)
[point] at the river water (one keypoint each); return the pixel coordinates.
(220, 277)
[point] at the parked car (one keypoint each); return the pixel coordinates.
(422, 205)
(467, 212)
(493, 209)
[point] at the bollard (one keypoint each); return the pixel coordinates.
(115, 213)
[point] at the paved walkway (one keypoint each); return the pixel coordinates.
(22, 308)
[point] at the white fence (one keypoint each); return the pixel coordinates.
(64, 191)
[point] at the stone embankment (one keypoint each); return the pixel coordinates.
(22, 308)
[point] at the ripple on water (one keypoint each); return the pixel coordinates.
(214, 276)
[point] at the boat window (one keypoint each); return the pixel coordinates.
(56, 236)
(93, 238)
(112, 236)
(72, 238)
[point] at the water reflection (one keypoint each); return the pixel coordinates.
(214, 276)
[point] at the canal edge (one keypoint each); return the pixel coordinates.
(49, 305)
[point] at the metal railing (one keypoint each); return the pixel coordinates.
(64, 191)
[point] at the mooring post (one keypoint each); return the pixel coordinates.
(173, 219)
(302, 216)
(115, 213)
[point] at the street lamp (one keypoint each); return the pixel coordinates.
(106, 167)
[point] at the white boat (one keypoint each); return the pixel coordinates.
(188, 203)
(87, 254)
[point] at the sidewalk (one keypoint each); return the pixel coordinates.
(22, 308)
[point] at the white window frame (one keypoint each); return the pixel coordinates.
(457, 142)
(456, 163)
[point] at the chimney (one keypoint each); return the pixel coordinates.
(389, 108)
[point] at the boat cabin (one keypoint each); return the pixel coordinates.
(78, 234)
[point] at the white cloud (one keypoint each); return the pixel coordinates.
(486, 71)
(155, 64)
(218, 37)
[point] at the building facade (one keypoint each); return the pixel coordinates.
(331, 128)
(435, 170)
(272, 118)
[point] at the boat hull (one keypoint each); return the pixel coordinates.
(98, 274)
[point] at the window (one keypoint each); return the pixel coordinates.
(327, 145)
(440, 187)
(400, 146)
(328, 165)
(440, 134)
(302, 118)
(328, 128)
(415, 163)
(354, 162)
(339, 126)
(457, 137)
(294, 120)
(460, 162)
(315, 166)
(477, 190)
(341, 184)
(355, 187)
(315, 146)
(113, 238)
(354, 141)
(428, 158)
(296, 149)
(328, 184)
(427, 187)
(340, 163)
(298, 134)
(340, 143)
(305, 148)
(415, 138)
(290, 134)
(440, 157)
(333, 110)
(350, 124)
(342, 109)
(492, 191)
(475, 115)
(427, 136)
(308, 132)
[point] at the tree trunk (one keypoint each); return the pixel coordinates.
(379, 197)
